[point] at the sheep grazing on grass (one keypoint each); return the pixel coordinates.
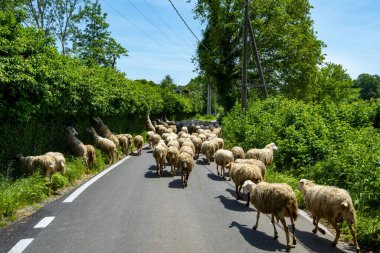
(207, 149)
(185, 164)
(259, 163)
(331, 203)
(77, 148)
(105, 145)
(138, 141)
(279, 200)
(240, 172)
(265, 154)
(48, 164)
(238, 152)
(104, 131)
(60, 161)
(222, 158)
(160, 152)
(172, 158)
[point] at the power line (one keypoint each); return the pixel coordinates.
(152, 23)
(167, 25)
(188, 27)
(142, 31)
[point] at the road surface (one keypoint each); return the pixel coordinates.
(130, 209)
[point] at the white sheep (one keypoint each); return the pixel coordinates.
(60, 161)
(148, 124)
(207, 149)
(138, 141)
(187, 149)
(197, 144)
(105, 145)
(222, 158)
(159, 153)
(172, 158)
(185, 164)
(240, 172)
(265, 154)
(104, 131)
(259, 163)
(331, 203)
(47, 163)
(149, 136)
(77, 148)
(238, 152)
(279, 200)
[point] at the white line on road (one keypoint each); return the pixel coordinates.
(76, 193)
(44, 222)
(21, 245)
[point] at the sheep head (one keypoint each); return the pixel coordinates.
(71, 130)
(272, 146)
(97, 119)
(18, 157)
(248, 186)
(304, 184)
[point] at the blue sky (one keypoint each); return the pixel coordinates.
(159, 43)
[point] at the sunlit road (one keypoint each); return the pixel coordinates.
(130, 209)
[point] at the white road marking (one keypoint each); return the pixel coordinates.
(21, 245)
(76, 193)
(44, 222)
(307, 217)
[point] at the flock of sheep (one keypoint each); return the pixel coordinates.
(246, 169)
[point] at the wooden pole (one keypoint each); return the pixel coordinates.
(245, 60)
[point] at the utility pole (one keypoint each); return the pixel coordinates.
(245, 60)
(208, 99)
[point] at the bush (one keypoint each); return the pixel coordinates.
(332, 144)
(58, 181)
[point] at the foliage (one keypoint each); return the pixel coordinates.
(168, 83)
(94, 43)
(332, 144)
(288, 47)
(58, 181)
(369, 86)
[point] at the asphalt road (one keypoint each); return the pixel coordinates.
(130, 209)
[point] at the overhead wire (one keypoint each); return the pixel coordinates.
(140, 30)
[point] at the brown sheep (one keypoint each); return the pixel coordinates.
(138, 141)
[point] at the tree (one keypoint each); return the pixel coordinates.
(369, 86)
(331, 84)
(289, 50)
(94, 43)
(168, 83)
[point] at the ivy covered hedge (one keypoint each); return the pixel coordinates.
(332, 144)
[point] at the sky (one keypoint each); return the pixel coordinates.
(159, 43)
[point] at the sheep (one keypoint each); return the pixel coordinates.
(148, 124)
(238, 152)
(222, 158)
(172, 158)
(185, 164)
(265, 154)
(197, 144)
(104, 131)
(259, 163)
(60, 161)
(47, 163)
(187, 149)
(124, 143)
(138, 141)
(190, 144)
(156, 139)
(240, 172)
(159, 153)
(149, 136)
(77, 148)
(105, 145)
(207, 149)
(331, 203)
(220, 143)
(173, 143)
(184, 129)
(203, 137)
(277, 199)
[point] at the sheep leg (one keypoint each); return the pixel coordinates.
(294, 230)
(217, 170)
(354, 237)
(337, 229)
(315, 222)
(248, 199)
(286, 228)
(237, 192)
(257, 220)
(158, 170)
(274, 227)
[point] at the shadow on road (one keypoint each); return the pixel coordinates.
(233, 194)
(319, 243)
(202, 161)
(259, 239)
(175, 184)
(214, 177)
(233, 204)
(150, 174)
(152, 167)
